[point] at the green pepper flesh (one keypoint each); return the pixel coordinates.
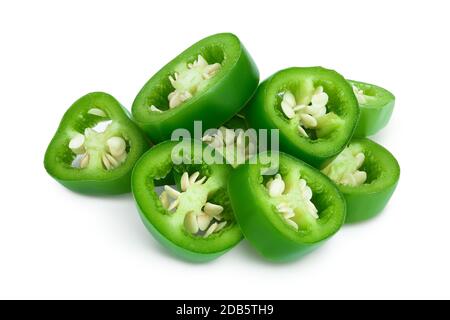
(94, 179)
(383, 172)
(262, 225)
(264, 112)
(168, 227)
(217, 102)
(376, 109)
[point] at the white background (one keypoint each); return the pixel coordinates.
(58, 244)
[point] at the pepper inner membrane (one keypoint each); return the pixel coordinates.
(293, 199)
(354, 166)
(362, 94)
(187, 79)
(311, 109)
(96, 142)
(233, 144)
(197, 203)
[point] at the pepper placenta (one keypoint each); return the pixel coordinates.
(376, 105)
(230, 141)
(314, 109)
(288, 213)
(367, 175)
(95, 147)
(194, 220)
(210, 81)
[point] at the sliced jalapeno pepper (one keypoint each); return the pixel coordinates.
(367, 174)
(314, 109)
(196, 221)
(95, 147)
(210, 81)
(376, 105)
(287, 214)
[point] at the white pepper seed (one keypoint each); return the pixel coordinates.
(276, 187)
(203, 221)
(302, 183)
(164, 198)
(312, 210)
(302, 131)
(106, 162)
(97, 112)
(289, 98)
(116, 146)
(289, 214)
(360, 177)
(212, 209)
(287, 110)
(112, 160)
(172, 192)
(76, 144)
(207, 138)
(88, 132)
(201, 62)
(318, 90)
(190, 222)
(228, 135)
(201, 181)
(210, 230)
(292, 224)
(84, 161)
(359, 159)
(320, 99)
(217, 141)
(307, 193)
(308, 120)
(220, 226)
(184, 181)
(193, 177)
(174, 204)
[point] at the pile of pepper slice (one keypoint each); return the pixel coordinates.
(327, 172)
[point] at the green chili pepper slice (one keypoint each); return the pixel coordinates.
(314, 109)
(210, 81)
(90, 160)
(287, 214)
(195, 222)
(376, 105)
(367, 175)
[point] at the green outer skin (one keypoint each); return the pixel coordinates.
(261, 226)
(177, 250)
(368, 200)
(226, 93)
(90, 181)
(261, 113)
(375, 114)
(161, 225)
